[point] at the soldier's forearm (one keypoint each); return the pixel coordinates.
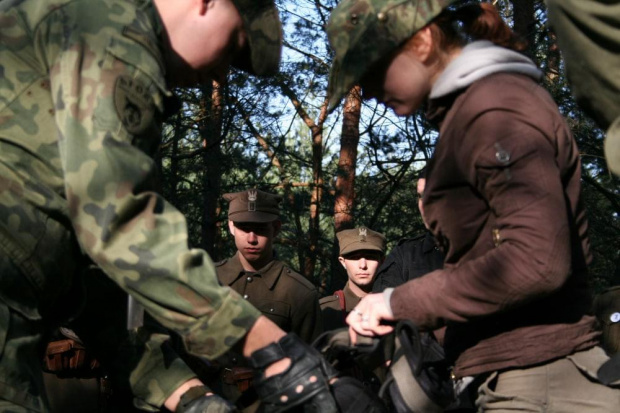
(263, 333)
(172, 401)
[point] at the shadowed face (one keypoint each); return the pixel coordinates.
(362, 266)
(254, 241)
(402, 83)
(204, 40)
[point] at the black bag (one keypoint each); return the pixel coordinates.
(419, 377)
(355, 390)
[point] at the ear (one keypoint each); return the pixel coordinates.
(341, 259)
(231, 228)
(277, 225)
(422, 44)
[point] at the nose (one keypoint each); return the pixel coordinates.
(363, 263)
(252, 238)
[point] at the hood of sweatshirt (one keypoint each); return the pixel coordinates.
(477, 60)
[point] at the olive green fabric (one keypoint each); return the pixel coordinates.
(361, 238)
(82, 95)
(283, 295)
(333, 315)
(23, 389)
(264, 31)
(140, 363)
(362, 32)
(587, 33)
(253, 205)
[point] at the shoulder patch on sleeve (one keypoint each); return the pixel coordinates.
(134, 105)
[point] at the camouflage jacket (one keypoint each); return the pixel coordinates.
(82, 91)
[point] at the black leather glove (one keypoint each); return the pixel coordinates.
(195, 401)
(304, 386)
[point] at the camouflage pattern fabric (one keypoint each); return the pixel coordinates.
(362, 32)
(140, 363)
(264, 30)
(81, 99)
(588, 37)
(19, 383)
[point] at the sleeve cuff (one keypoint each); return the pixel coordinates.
(387, 296)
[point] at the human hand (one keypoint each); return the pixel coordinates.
(367, 317)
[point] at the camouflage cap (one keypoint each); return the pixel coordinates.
(361, 32)
(264, 30)
(253, 205)
(362, 238)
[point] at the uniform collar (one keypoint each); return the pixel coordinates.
(269, 273)
(350, 299)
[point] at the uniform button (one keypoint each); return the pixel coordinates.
(246, 296)
(249, 279)
(615, 317)
(271, 309)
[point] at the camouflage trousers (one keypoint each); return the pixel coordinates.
(143, 367)
(21, 378)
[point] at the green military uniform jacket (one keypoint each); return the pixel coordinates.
(286, 297)
(82, 92)
(332, 311)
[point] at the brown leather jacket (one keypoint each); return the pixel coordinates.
(503, 199)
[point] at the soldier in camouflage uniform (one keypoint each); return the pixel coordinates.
(83, 90)
(284, 296)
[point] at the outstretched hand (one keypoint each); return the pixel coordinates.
(367, 317)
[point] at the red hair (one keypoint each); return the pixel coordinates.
(452, 28)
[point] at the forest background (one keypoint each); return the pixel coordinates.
(356, 166)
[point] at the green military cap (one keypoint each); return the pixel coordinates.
(253, 205)
(264, 30)
(361, 32)
(362, 238)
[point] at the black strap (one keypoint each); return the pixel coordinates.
(266, 356)
(192, 394)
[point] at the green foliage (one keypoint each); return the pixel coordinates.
(266, 142)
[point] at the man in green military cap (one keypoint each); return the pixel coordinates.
(362, 251)
(283, 295)
(83, 91)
